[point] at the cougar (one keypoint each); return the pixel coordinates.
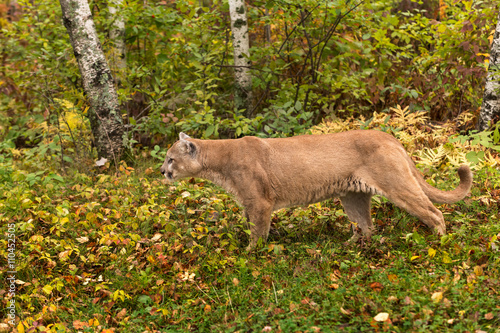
(268, 174)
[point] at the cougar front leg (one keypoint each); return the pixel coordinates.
(258, 214)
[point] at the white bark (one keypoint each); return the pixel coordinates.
(117, 37)
(490, 110)
(104, 114)
(241, 45)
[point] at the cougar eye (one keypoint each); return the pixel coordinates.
(169, 160)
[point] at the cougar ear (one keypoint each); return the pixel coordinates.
(188, 147)
(184, 136)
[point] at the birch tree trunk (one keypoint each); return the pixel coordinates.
(241, 45)
(104, 114)
(490, 110)
(117, 37)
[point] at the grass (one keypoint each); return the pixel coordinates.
(100, 252)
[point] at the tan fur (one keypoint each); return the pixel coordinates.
(268, 174)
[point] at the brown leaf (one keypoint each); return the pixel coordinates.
(79, 324)
(376, 286)
(392, 277)
(277, 311)
(488, 316)
(121, 314)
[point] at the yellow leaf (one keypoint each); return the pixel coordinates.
(478, 270)
(93, 322)
(414, 258)
(446, 258)
(207, 309)
(47, 289)
(437, 297)
(392, 277)
(431, 252)
(20, 328)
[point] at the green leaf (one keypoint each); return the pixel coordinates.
(209, 131)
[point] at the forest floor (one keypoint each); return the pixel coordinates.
(124, 251)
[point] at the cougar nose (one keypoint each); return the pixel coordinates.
(163, 171)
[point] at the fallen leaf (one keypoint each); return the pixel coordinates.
(156, 237)
(488, 316)
(101, 162)
(121, 314)
(376, 286)
(82, 239)
(345, 312)
(392, 277)
(382, 316)
(437, 297)
(293, 306)
(278, 311)
(78, 325)
(236, 282)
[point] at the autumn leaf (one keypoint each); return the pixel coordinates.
(376, 286)
(392, 277)
(121, 314)
(293, 306)
(437, 297)
(489, 316)
(77, 324)
(345, 312)
(431, 252)
(478, 270)
(382, 316)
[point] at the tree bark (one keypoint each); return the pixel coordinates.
(490, 109)
(98, 84)
(241, 45)
(117, 37)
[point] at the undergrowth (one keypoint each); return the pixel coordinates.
(122, 250)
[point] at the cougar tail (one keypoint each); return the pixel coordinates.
(438, 196)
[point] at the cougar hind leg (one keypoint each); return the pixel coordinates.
(357, 206)
(408, 195)
(418, 204)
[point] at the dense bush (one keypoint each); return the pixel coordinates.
(310, 60)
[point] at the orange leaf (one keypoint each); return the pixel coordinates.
(376, 286)
(80, 324)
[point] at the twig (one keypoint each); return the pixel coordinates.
(230, 302)
(275, 296)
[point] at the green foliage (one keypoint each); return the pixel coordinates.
(319, 60)
(102, 250)
(130, 252)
